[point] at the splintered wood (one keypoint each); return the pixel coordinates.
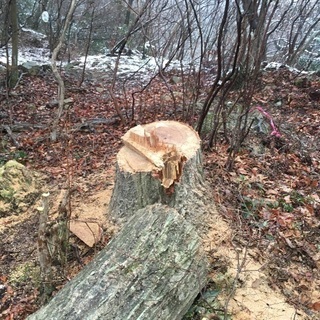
(161, 147)
(167, 159)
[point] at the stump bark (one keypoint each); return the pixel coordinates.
(160, 163)
(155, 266)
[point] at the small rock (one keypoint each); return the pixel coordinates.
(278, 104)
(31, 68)
(18, 188)
(176, 79)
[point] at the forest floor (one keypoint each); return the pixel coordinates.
(270, 200)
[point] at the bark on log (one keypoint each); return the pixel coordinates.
(153, 269)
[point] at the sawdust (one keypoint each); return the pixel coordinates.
(94, 207)
(89, 219)
(245, 284)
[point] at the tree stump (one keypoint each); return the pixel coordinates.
(155, 266)
(160, 163)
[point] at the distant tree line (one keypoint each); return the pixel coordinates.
(290, 29)
(229, 39)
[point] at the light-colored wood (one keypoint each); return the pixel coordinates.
(88, 232)
(163, 148)
(140, 182)
(155, 266)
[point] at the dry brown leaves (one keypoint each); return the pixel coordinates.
(274, 193)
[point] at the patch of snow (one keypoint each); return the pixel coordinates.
(273, 66)
(133, 64)
(129, 65)
(38, 55)
(35, 33)
(277, 66)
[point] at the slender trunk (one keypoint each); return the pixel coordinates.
(215, 88)
(14, 74)
(119, 48)
(127, 20)
(61, 88)
(87, 48)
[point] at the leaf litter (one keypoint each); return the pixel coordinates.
(270, 202)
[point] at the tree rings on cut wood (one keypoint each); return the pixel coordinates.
(160, 162)
(161, 147)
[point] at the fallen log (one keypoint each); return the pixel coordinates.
(153, 269)
(155, 266)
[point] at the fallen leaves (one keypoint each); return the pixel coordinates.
(276, 193)
(271, 196)
(316, 306)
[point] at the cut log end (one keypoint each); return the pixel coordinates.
(159, 147)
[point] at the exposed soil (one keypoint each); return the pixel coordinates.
(266, 252)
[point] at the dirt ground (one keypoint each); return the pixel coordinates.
(241, 273)
(264, 247)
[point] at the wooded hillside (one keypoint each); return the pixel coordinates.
(75, 97)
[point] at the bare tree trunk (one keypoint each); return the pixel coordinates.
(44, 255)
(215, 88)
(87, 44)
(61, 88)
(14, 73)
(128, 13)
(119, 47)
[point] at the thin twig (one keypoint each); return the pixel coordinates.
(236, 279)
(11, 135)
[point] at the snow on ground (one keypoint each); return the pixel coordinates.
(27, 54)
(133, 63)
(34, 48)
(36, 34)
(128, 64)
(277, 66)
